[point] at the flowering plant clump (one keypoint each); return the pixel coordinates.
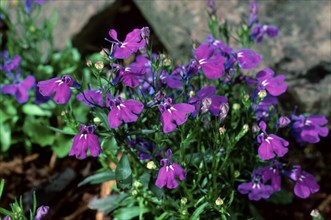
(187, 140)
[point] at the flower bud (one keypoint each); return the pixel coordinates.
(315, 213)
(246, 97)
(167, 62)
(88, 63)
(224, 109)
(136, 184)
(151, 165)
(96, 120)
(219, 201)
(245, 128)
(99, 65)
(206, 102)
(183, 200)
(191, 93)
(236, 106)
(236, 174)
(255, 128)
(134, 192)
(222, 130)
(262, 94)
(283, 121)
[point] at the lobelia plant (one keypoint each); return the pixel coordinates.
(182, 133)
(188, 141)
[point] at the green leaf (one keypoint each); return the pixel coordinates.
(98, 178)
(31, 109)
(282, 197)
(129, 212)
(199, 211)
(2, 184)
(109, 204)
(5, 137)
(103, 117)
(62, 145)
(255, 213)
(123, 173)
(66, 130)
(37, 132)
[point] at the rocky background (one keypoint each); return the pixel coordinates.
(302, 51)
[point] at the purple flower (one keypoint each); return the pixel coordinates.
(305, 182)
(7, 217)
(169, 172)
(59, 86)
(20, 89)
(145, 149)
(248, 59)
(174, 80)
(270, 144)
(283, 121)
(29, 3)
(256, 189)
(274, 85)
(210, 102)
(84, 141)
(211, 7)
(260, 30)
(271, 173)
(41, 212)
(308, 129)
(132, 43)
(253, 10)
(262, 109)
(91, 97)
(173, 114)
(39, 98)
(134, 72)
(211, 63)
(8, 64)
(123, 111)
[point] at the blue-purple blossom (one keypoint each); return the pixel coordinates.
(41, 212)
(262, 109)
(305, 183)
(260, 30)
(211, 7)
(308, 129)
(7, 64)
(272, 173)
(211, 63)
(39, 98)
(123, 111)
(59, 86)
(270, 145)
(85, 140)
(181, 75)
(173, 114)
(29, 4)
(145, 150)
(7, 217)
(274, 85)
(132, 43)
(91, 97)
(169, 172)
(209, 101)
(248, 59)
(19, 89)
(256, 189)
(253, 10)
(133, 73)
